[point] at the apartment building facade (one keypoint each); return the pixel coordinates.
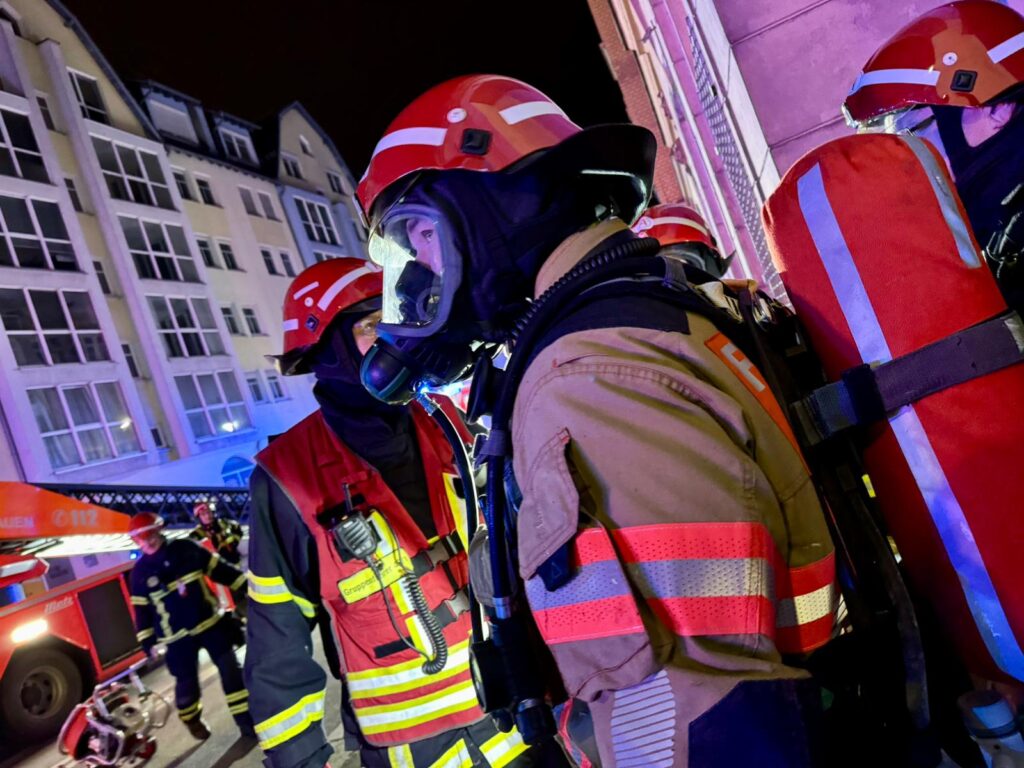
(144, 256)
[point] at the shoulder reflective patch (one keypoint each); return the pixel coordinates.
(747, 372)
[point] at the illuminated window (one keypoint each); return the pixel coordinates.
(84, 423)
(132, 174)
(51, 327)
(186, 326)
(160, 251)
(213, 404)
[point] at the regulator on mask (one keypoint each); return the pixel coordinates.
(398, 369)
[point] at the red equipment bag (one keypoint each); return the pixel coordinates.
(874, 248)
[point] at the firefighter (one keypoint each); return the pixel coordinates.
(671, 542)
(683, 233)
(225, 535)
(955, 76)
(174, 606)
(357, 524)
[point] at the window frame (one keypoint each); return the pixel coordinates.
(43, 102)
(212, 262)
(286, 263)
(204, 186)
(176, 259)
(126, 178)
(248, 202)
(230, 260)
(10, 236)
(6, 143)
(86, 109)
(178, 332)
(285, 160)
(73, 194)
(268, 206)
(74, 429)
(227, 311)
(252, 321)
(205, 408)
(183, 185)
(316, 216)
(70, 329)
(236, 140)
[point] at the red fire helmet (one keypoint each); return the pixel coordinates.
(315, 297)
(963, 54)
(144, 522)
(475, 122)
(671, 223)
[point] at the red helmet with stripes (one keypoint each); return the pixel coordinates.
(475, 122)
(963, 54)
(672, 223)
(143, 523)
(315, 298)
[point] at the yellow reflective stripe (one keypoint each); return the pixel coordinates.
(418, 633)
(394, 669)
(236, 696)
(237, 709)
(408, 714)
(400, 757)
(456, 757)
(458, 662)
(292, 721)
(503, 748)
(140, 636)
(398, 592)
(139, 600)
(237, 583)
(458, 507)
(191, 712)
(271, 590)
(363, 583)
(202, 626)
(214, 559)
(171, 638)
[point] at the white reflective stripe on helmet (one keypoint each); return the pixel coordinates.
(303, 291)
(404, 137)
(290, 325)
(341, 284)
(1006, 48)
(893, 76)
(681, 221)
(530, 109)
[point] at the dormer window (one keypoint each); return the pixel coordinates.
(87, 91)
(237, 146)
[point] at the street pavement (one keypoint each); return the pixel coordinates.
(177, 749)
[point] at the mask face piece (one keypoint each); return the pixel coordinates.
(398, 369)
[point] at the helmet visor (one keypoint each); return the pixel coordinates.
(422, 269)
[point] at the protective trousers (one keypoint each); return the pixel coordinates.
(183, 663)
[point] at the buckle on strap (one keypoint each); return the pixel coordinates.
(866, 393)
(443, 549)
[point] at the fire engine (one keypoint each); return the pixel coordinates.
(56, 645)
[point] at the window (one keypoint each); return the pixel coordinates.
(51, 327)
(19, 153)
(304, 143)
(276, 387)
(335, 181)
(186, 326)
(101, 276)
(213, 404)
(205, 192)
(158, 437)
(129, 358)
(268, 261)
(248, 202)
(87, 91)
(268, 207)
(132, 174)
(321, 256)
(286, 262)
(228, 254)
(160, 251)
(252, 321)
(316, 220)
(236, 146)
(183, 188)
(256, 388)
(44, 108)
(231, 320)
(76, 201)
(291, 166)
(84, 423)
(206, 251)
(34, 236)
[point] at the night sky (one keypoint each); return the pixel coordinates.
(353, 63)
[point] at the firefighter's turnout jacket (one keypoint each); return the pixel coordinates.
(225, 536)
(170, 594)
(298, 575)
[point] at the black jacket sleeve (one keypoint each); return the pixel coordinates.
(286, 685)
(145, 629)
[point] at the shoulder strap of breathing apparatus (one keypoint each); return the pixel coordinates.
(625, 283)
